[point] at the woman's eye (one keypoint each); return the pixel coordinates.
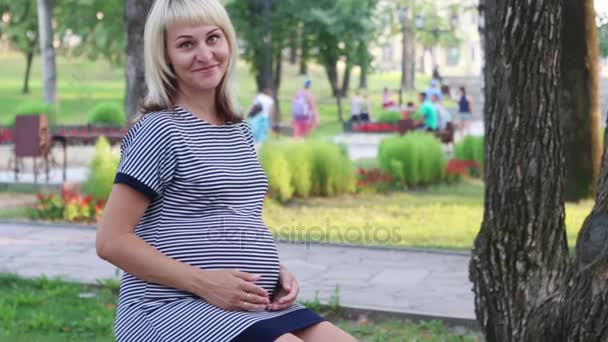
(185, 45)
(213, 39)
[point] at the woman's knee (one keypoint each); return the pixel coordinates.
(288, 338)
(324, 331)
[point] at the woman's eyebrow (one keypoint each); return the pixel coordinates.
(210, 32)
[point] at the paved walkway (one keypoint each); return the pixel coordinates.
(411, 282)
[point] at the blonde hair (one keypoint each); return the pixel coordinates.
(160, 77)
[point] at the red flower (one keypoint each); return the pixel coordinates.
(361, 171)
(87, 200)
(360, 183)
(40, 197)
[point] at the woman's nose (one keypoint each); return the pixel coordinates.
(204, 53)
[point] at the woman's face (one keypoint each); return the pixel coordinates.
(199, 55)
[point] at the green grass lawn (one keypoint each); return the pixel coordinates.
(444, 217)
(43, 310)
(82, 84)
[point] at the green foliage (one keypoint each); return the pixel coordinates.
(273, 159)
(415, 158)
(603, 36)
(100, 25)
(470, 148)
(107, 113)
(299, 157)
(332, 172)
(102, 170)
(436, 29)
(34, 107)
(22, 27)
(389, 116)
(306, 168)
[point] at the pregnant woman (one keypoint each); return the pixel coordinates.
(184, 219)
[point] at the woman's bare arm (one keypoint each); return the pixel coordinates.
(118, 244)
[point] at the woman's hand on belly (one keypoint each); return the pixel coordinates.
(287, 294)
(231, 290)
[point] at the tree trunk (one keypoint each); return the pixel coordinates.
(579, 106)
(136, 12)
(332, 76)
(363, 76)
(526, 287)
(277, 86)
(267, 69)
(521, 251)
(293, 48)
(346, 79)
(49, 69)
(407, 54)
(29, 56)
(304, 52)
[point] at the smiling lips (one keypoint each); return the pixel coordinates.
(206, 69)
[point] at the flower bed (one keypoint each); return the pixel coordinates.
(374, 127)
(69, 206)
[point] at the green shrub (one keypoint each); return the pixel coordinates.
(107, 113)
(332, 171)
(414, 159)
(299, 157)
(306, 168)
(275, 164)
(389, 116)
(470, 148)
(102, 170)
(36, 107)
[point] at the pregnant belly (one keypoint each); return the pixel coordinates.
(244, 245)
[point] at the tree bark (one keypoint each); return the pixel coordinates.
(346, 79)
(331, 69)
(526, 286)
(136, 12)
(304, 52)
(49, 69)
(579, 105)
(29, 56)
(407, 54)
(363, 76)
(293, 48)
(521, 251)
(277, 86)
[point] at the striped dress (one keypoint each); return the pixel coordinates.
(206, 188)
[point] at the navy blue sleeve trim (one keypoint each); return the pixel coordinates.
(133, 182)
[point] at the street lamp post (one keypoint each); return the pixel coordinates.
(436, 32)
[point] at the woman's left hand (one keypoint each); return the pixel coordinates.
(288, 293)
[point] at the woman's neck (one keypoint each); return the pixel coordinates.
(201, 104)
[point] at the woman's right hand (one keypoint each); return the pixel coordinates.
(231, 290)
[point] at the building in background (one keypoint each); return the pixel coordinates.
(462, 59)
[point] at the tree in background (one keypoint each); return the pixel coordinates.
(579, 100)
(436, 30)
(603, 36)
(20, 24)
(135, 12)
(47, 50)
(99, 26)
(527, 286)
(338, 29)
